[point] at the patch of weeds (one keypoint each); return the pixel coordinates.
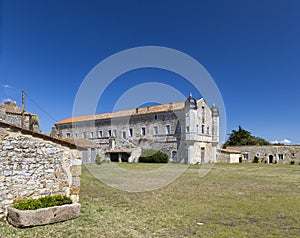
(47, 201)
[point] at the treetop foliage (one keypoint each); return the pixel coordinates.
(244, 137)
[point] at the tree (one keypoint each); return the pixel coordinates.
(244, 137)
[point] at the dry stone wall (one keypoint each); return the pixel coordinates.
(31, 167)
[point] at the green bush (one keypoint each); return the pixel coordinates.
(255, 160)
(42, 202)
(98, 159)
(153, 156)
(292, 161)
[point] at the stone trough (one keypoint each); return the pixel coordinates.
(42, 216)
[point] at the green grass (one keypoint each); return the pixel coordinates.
(238, 200)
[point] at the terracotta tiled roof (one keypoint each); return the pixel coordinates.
(230, 151)
(81, 142)
(132, 112)
(119, 151)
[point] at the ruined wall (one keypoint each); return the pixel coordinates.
(30, 120)
(31, 167)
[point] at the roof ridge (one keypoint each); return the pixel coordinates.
(123, 113)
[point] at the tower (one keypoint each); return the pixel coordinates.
(190, 110)
(215, 130)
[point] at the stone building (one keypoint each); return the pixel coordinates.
(187, 131)
(34, 165)
(12, 114)
(271, 154)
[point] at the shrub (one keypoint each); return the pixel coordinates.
(240, 160)
(42, 202)
(153, 156)
(98, 159)
(292, 162)
(255, 160)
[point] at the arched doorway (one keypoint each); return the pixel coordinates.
(271, 158)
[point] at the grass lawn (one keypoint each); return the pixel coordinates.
(233, 200)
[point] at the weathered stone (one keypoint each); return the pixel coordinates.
(76, 182)
(43, 216)
(76, 170)
(64, 184)
(25, 173)
(8, 147)
(270, 154)
(134, 157)
(74, 191)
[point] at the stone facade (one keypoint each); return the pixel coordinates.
(12, 114)
(34, 165)
(282, 154)
(187, 131)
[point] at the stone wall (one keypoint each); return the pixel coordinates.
(10, 113)
(270, 153)
(226, 156)
(34, 165)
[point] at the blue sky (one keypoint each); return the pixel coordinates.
(250, 48)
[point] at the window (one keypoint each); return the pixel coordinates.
(257, 155)
(76, 135)
(84, 135)
(155, 117)
(280, 156)
(168, 129)
(100, 134)
(109, 133)
(187, 129)
(143, 131)
(245, 156)
(68, 134)
(91, 134)
(202, 129)
(293, 154)
(155, 130)
(207, 130)
(115, 133)
(203, 114)
(124, 134)
(131, 132)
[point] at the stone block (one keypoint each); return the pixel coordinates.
(74, 191)
(43, 216)
(76, 170)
